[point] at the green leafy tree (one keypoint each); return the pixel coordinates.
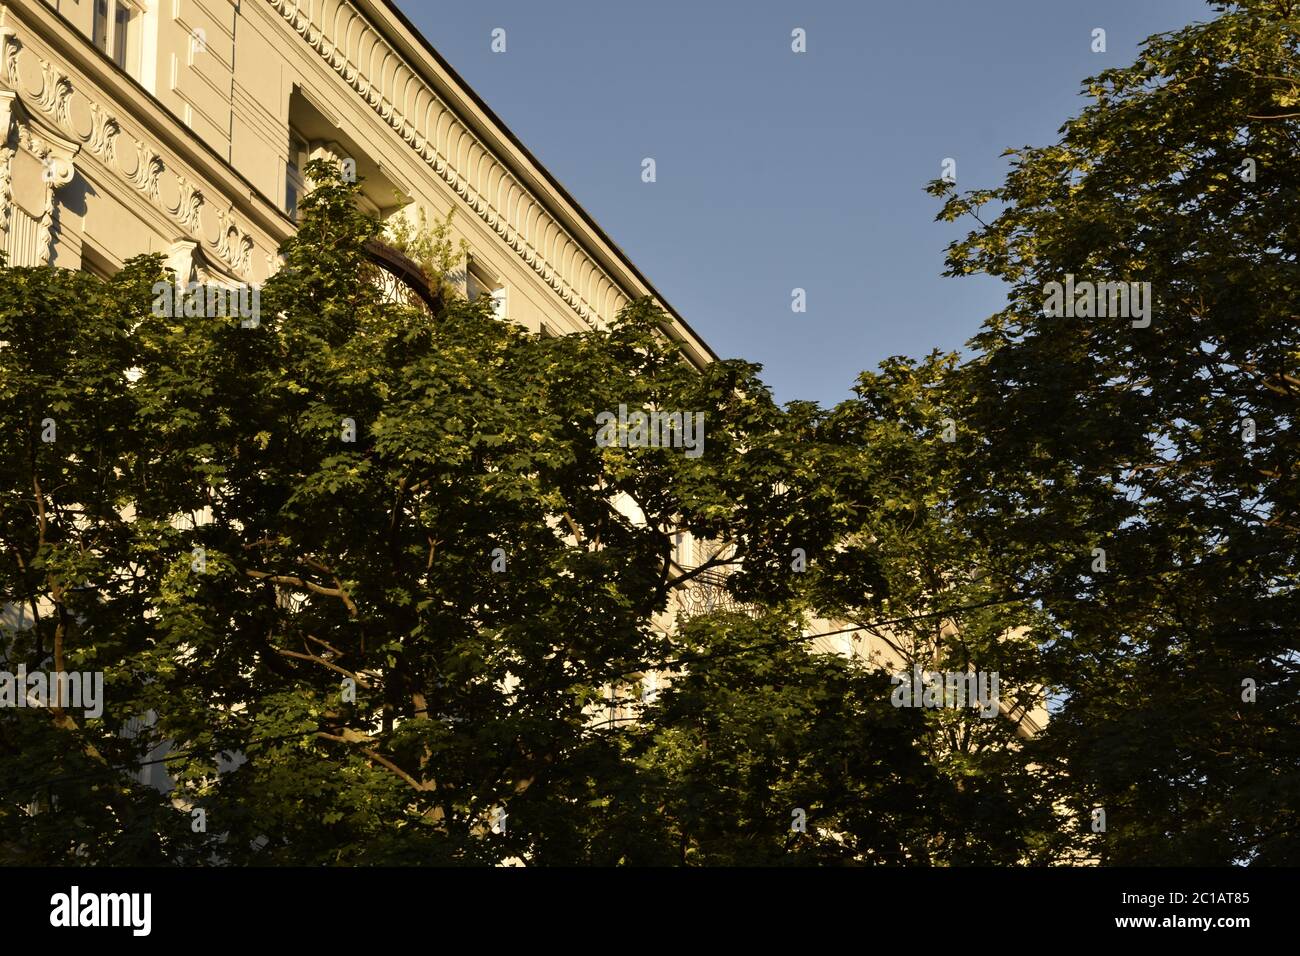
(75, 564)
(910, 569)
(1139, 480)
(364, 569)
(769, 754)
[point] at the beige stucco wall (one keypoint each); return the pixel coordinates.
(190, 143)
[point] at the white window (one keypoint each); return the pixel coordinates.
(115, 30)
(499, 302)
(481, 282)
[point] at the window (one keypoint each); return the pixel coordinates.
(499, 302)
(481, 282)
(99, 35)
(118, 35)
(122, 17)
(95, 263)
(295, 185)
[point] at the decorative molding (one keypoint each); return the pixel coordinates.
(190, 263)
(55, 154)
(8, 108)
(189, 201)
(103, 135)
(149, 166)
(6, 205)
(233, 244)
(12, 47)
(445, 144)
(56, 90)
(72, 110)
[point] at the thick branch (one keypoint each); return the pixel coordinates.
(297, 582)
(350, 736)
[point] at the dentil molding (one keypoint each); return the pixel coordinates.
(363, 59)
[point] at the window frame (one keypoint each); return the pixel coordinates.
(476, 274)
(115, 31)
(100, 26)
(295, 178)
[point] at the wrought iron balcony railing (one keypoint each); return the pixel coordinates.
(400, 278)
(708, 591)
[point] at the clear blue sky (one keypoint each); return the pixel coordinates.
(779, 170)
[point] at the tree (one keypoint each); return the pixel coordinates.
(74, 564)
(1136, 473)
(430, 245)
(910, 569)
(771, 755)
(365, 568)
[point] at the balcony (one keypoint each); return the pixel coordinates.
(400, 280)
(708, 592)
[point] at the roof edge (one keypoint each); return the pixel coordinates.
(491, 127)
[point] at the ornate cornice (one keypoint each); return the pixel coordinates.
(359, 54)
(48, 91)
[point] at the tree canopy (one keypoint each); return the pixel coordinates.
(1170, 447)
(362, 578)
(362, 567)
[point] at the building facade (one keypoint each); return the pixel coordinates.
(182, 127)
